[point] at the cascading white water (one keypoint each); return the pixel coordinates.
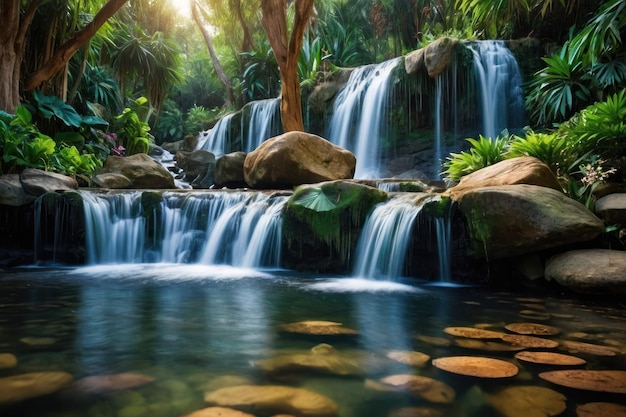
(438, 145)
(359, 116)
(499, 82)
(235, 228)
(215, 140)
(114, 228)
(264, 123)
(383, 242)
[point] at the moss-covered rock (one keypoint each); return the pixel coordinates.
(513, 220)
(322, 222)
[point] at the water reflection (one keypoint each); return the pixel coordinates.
(192, 328)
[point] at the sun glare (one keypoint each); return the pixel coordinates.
(182, 7)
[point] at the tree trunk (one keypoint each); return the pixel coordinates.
(230, 96)
(62, 55)
(246, 43)
(274, 21)
(12, 37)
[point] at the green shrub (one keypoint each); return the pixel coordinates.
(551, 148)
(482, 153)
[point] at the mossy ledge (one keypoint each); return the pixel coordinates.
(323, 221)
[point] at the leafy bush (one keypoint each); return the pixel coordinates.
(551, 148)
(199, 119)
(132, 132)
(599, 128)
(169, 125)
(482, 153)
(24, 146)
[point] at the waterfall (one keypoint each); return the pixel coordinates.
(438, 145)
(383, 242)
(215, 140)
(235, 228)
(264, 123)
(359, 116)
(114, 228)
(499, 81)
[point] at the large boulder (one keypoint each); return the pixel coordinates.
(199, 167)
(513, 220)
(296, 158)
(521, 170)
(37, 182)
(141, 170)
(273, 399)
(12, 193)
(229, 170)
(435, 57)
(612, 209)
(589, 271)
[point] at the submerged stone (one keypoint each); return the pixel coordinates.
(7, 360)
(423, 387)
(528, 401)
(100, 384)
(273, 399)
(35, 384)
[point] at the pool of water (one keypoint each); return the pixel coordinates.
(195, 329)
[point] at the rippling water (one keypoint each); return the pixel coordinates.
(193, 327)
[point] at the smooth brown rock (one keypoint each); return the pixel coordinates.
(219, 412)
(273, 399)
(229, 170)
(112, 180)
(99, 384)
(476, 366)
(142, 171)
(435, 57)
(12, 193)
(35, 384)
(511, 220)
(37, 182)
(521, 170)
(589, 271)
(421, 387)
(7, 360)
(612, 209)
(527, 401)
(296, 158)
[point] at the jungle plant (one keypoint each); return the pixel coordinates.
(169, 125)
(199, 118)
(587, 67)
(310, 60)
(551, 148)
(71, 162)
(261, 77)
(599, 128)
(559, 89)
(589, 176)
(132, 132)
(482, 153)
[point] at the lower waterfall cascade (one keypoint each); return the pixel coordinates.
(234, 228)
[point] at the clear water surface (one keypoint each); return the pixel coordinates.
(191, 327)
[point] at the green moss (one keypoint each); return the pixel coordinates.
(412, 187)
(151, 202)
(438, 208)
(480, 228)
(331, 212)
